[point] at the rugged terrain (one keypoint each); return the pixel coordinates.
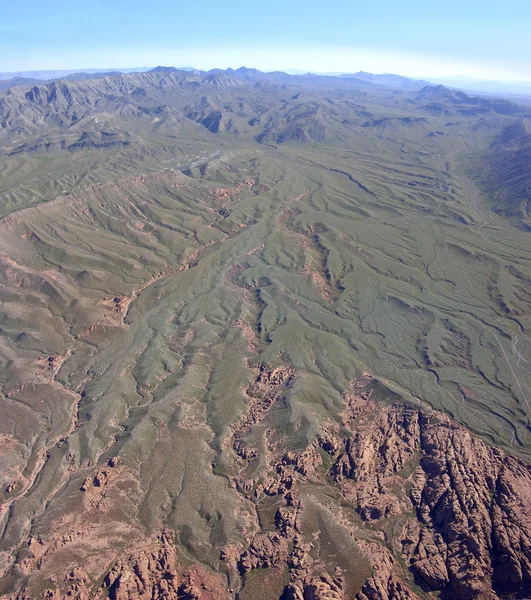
(263, 337)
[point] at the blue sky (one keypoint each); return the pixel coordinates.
(483, 39)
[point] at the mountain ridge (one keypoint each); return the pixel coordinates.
(132, 95)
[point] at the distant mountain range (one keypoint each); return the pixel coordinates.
(481, 86)
(8, 80)
(505, 88)
(470, 84)
(62, 73)
(253, 101)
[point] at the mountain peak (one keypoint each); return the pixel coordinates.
(161, 69)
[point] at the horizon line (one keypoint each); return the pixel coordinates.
(123, 70)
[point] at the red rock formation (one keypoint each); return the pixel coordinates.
(384, 584)
(472, 534)
(317, 587)
(152, 571)
(228, 193)
(440, 505)
(266, 550)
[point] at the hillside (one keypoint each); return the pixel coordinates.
(503, 174)
(263, 337)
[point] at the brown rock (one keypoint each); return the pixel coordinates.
(385, 584)
(317, 587)
(266, 550)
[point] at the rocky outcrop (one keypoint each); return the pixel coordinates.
(436, 510)
(151, 569)
(476, 504)
(267, 550)
(262, 393)
(373, 457)
(384, 584)
(319, 587)
(149, 573)
(471, 535)
(154, 572)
